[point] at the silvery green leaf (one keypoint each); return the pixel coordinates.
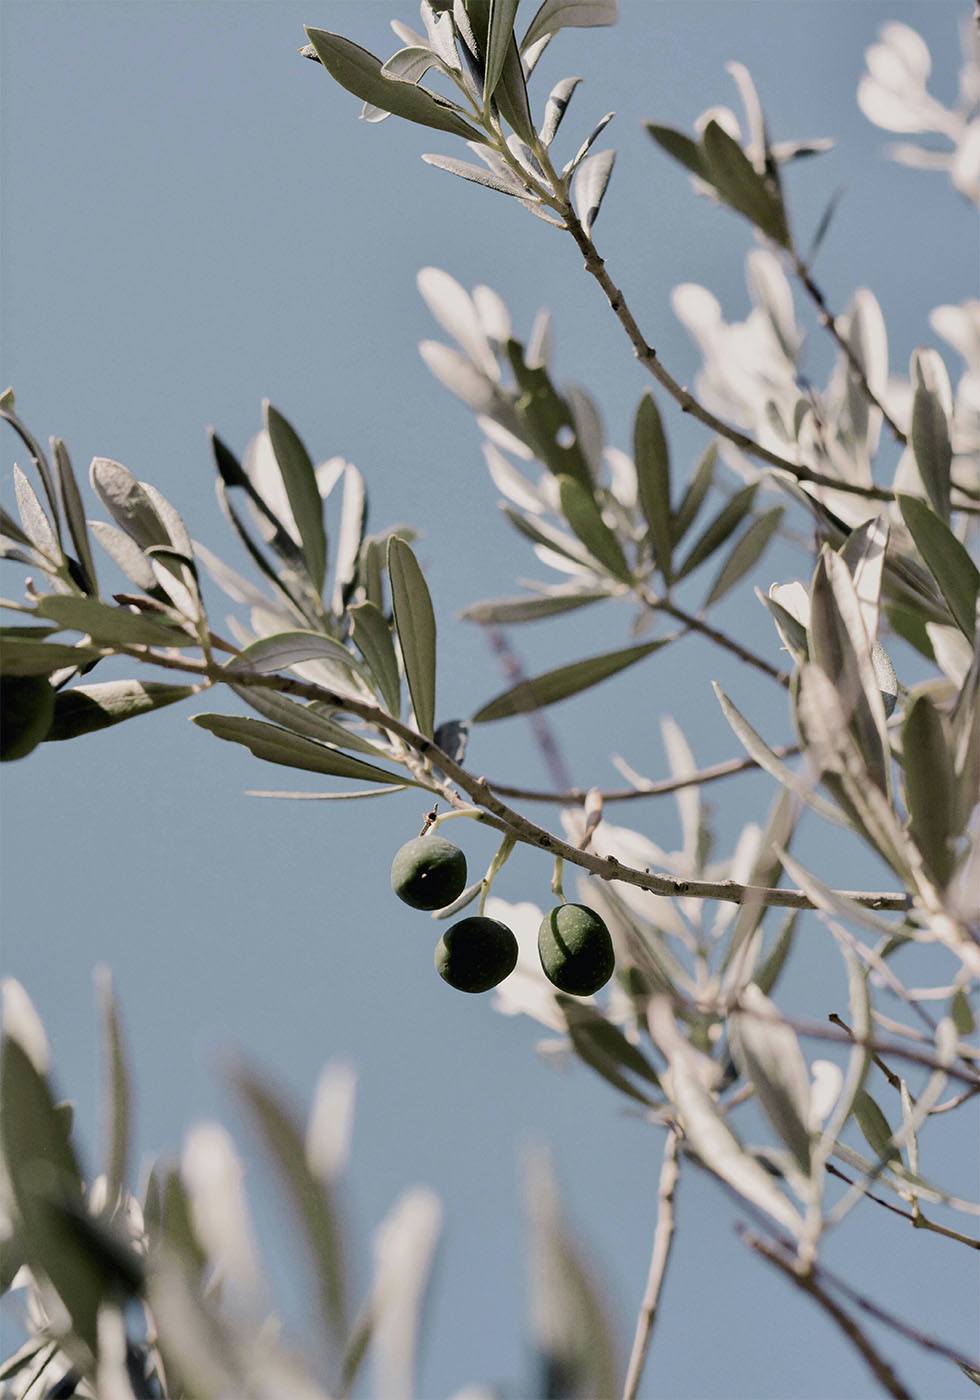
(864, 554)
(681, 147)
(404, 1247)
(718, 531)
(529, 609)
(74, 513)
(885, 676)
(371, 635)
(554, 15)
(126, 554)
(310, 1196)
(37, 527)
(455, 310)
(565, 681)
(756, 747)
(460, 376)
(410, 64)
(651, 457)
(128, 503)
(10, 528)
(359, 72)
(83, 709)
(789, 627)
(768, 974)
(589, 187)
(510, 483)
(765, 870)
(947, 559)
(586, 146)
(276, 745)
(603, 1047)
(555, 108)
(836, 902)
(741, 186)
(116, 1079)
(578, 506)
(875, 1128)
(745, 553)
(771, 1058)
(107, 624)
(587, 425)
(706, 1131)
(332, 796)
(283, 587)
(176, 530)
(416, 626)
(548, 425)
(302, 492)
(500, 34)
(286, 649)
(475, 173)
(930, 787)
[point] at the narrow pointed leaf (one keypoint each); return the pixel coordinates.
(725, 523)
(549, 537)
(27, 656)
(299, 479)
(310, 1197)
(681, 147)
(651, 457)
(286, 649)
(10, 528)
(546, 419)
(932, 448)
(555, 108)
(587, 145)
(529, 609)
(308, 720)
(875, 1128)
(37, 527)
(416, 626)
(127, 554)
(948, 562)
(552, 686)
(745, 553)
(84, 709)
(275, 745)
(578, 506)
(116, 1107)
(741, 186)
(864, 554)
(693, 498)
(359, 72)
(771, 1058)
(372, 637)
(74, 513)
(128, 503)
(930, 786)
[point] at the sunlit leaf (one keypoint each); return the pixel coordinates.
(37, 527)
(416, 626)
(551, 686)
(589, 188)
(556, 107)
(477, 174)
(359, 72)
(770, 1056)
(128, 503)
(554, 15)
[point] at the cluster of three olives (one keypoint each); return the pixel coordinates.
(477, 953)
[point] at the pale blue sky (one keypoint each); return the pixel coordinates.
(194, 219)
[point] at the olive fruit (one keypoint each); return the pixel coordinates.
(576, 950)
(475, 954)
(26, 713)
(429, 872)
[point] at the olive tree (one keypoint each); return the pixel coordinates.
(659, 970)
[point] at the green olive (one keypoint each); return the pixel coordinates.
(475, 954)
(429, 872)
(576, 950)
(26, 712)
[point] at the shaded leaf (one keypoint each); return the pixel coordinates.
(745, 553)
(930, 787)
(477, 174)
(875, 1128)
(371, 634)
(741, 186)
(277, 745)
(22, 655)
(681, 147)
(931, 447)
(416, 626)
(86, 708)
(312, 720)
(578, 506)
(714, 535)
(116, 1082)
(548, 537)
(652, 460)
(948, 561)
(359, 72)
(694, 495)
(74, 513)
(109, 624)
(770, 1056)
(546, 419)
(551, 686)
(604, 1048)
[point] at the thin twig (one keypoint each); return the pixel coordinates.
(880, 1368)
(916, 1218)
(497, 813)
(575, 797)
(721, 639)
(663, 1238)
